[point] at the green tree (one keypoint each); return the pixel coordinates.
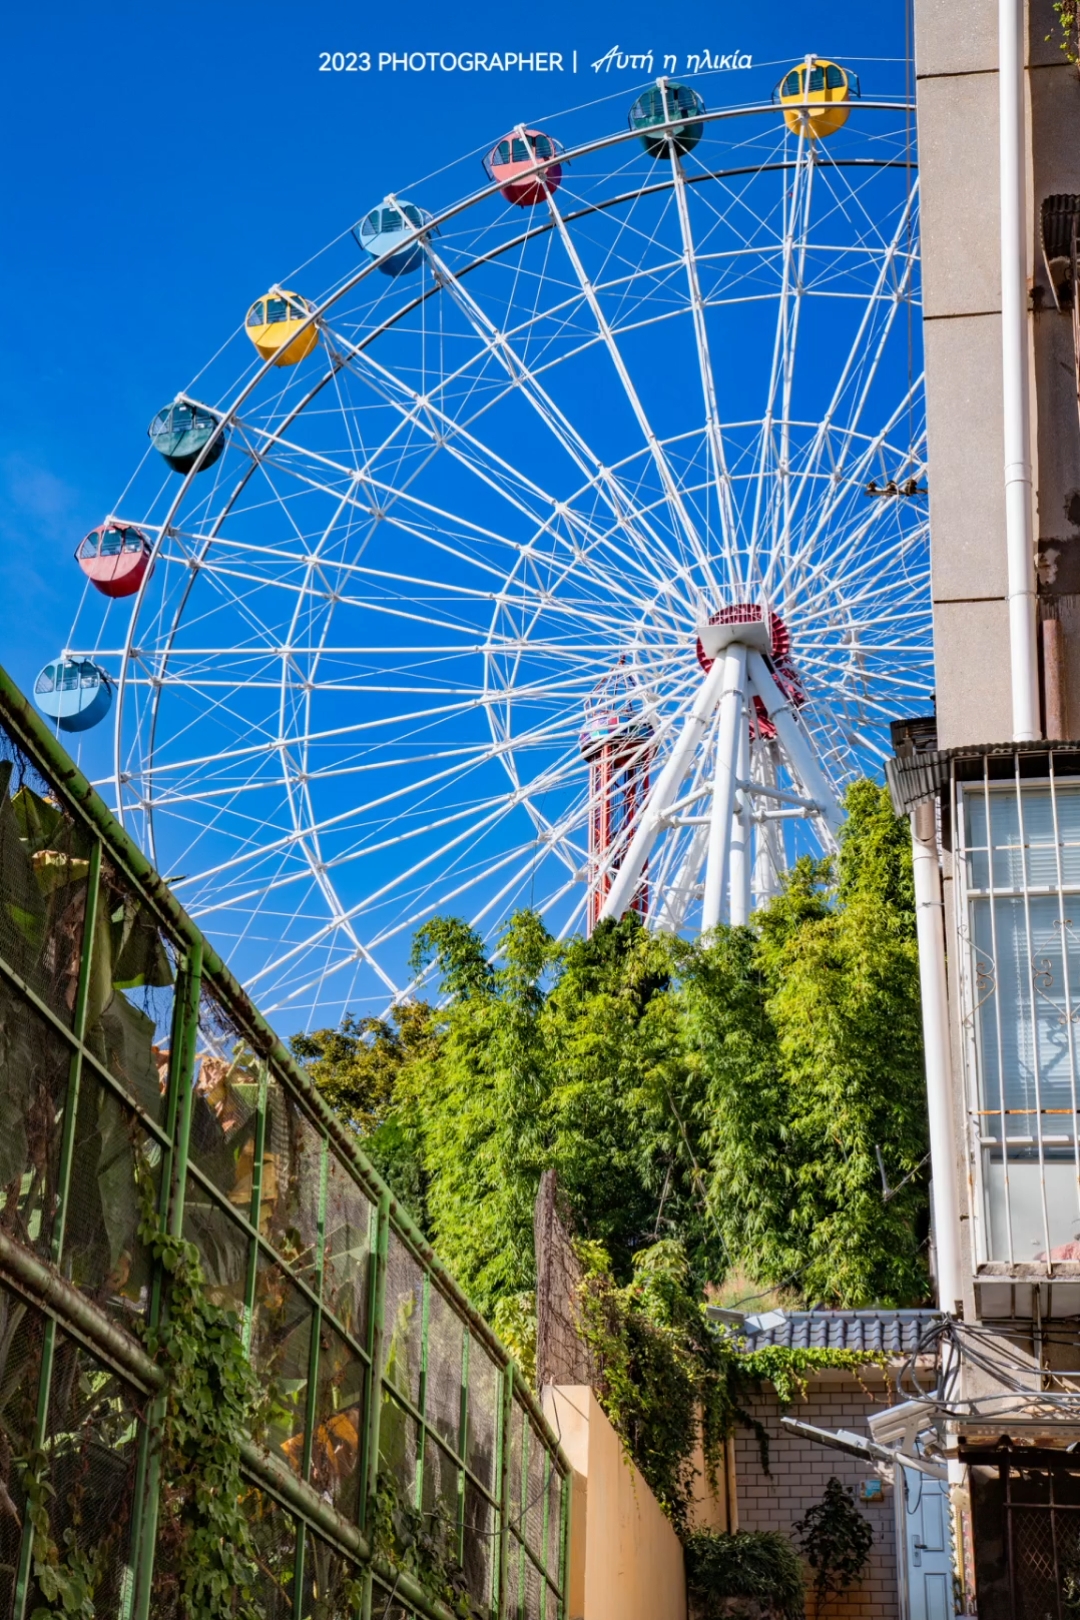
(835, 1540)
(357, 1066)
(808, 1030)
(729, 1095)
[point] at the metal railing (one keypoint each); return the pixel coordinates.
(131, 1058)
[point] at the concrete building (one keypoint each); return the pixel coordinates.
(992, 783)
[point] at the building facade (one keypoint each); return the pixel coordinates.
(992, 784)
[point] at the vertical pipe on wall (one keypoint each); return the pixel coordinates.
(930, 930)
(1016, 413)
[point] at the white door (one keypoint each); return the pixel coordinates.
(923, 1518)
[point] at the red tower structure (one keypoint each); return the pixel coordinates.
(617, 741)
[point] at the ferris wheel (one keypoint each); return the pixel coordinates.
(567, 550)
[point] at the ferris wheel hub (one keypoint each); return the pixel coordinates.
(750, 623)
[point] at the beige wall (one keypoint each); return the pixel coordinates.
(626, 1562)
(956, 65)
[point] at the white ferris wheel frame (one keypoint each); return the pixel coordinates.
(718, 806)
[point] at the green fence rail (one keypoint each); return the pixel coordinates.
(128, 1055)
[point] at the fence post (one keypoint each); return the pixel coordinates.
(376, 1335)
(505, 1416)
(183, 1042)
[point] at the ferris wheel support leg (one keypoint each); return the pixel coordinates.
(732, 719)
(769, 848)
(625, 882)
(676, 902)
(796, 746)
(741, 862)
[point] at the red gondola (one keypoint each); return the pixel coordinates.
(115, 558)
(510, 161)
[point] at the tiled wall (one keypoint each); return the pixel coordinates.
(799, 1471)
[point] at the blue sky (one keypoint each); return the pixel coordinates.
(164, 164)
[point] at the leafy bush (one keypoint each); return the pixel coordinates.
(755, 1564)
(835, 1539)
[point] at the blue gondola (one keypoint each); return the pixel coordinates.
(181, 432)
(660, 104)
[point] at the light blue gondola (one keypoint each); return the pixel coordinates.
(387, 224)
(74, 692)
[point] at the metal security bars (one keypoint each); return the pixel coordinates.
(129, 1058)
(1016, 821)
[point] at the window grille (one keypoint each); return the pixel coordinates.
(1017, 847)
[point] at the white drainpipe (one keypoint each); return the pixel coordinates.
(930, 930)
(1017, 407)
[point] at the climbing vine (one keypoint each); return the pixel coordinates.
(67, 1576)
(212, 1403)
(669, 1381)
(1068, 16)
(424, 1544)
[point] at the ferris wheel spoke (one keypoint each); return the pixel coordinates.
(770, 453)
(492, 469)
(663, 469)
(818, 590)
(808, 571)
(445, 850)
(708, 386)
(856, 357)
(465, 762)
(599, 477)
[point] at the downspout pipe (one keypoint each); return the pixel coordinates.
(930, 932)
(1016, 401)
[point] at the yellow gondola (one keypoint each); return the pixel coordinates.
(816, 97)
(273, 322)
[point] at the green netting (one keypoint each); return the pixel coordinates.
(44, 863)
(292, 1183)
(114, 1164)
(404, 1321)
(91, 1442)
(35, 1062)
(281, 1355)
(274, 1535)
(330, 1588)
(224, 1246)
(338, 1423)
(22, 1334)
(133, 1079)
(347, 1248)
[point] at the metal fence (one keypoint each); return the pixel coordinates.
(129, 1057)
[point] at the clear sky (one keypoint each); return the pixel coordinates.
(164, 163)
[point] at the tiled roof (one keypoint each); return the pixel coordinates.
(893, 1333)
